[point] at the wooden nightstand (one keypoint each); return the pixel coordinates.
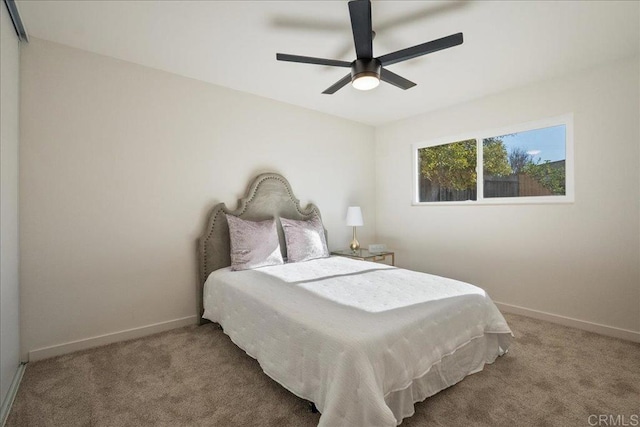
(365, 255)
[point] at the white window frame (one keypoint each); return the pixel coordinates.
(568, 197)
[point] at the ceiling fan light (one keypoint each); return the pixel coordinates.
(365, 81)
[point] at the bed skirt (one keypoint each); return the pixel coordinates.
(451, 369)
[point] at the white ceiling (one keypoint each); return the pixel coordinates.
(234, 43)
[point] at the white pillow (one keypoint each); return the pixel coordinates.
(305, 239)
(253, 244)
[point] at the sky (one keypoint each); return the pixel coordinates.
(546, 144)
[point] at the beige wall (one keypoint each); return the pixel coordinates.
(575, 260)
(9, 134)
(119, 166)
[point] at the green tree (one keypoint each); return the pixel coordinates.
(453, 165)
(450, 165)
(549, 175)
(496, 162)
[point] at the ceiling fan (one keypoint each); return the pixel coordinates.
(367, 71)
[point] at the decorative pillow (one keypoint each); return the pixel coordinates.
(253, 244)
(305, 239)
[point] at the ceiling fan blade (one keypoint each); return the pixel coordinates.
(360, 11)
(396, 80)
(338, 85)
(421, 49)
(312, 60)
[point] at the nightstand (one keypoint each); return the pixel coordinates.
(365, 255)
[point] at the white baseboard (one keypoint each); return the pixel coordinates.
(611, 331)
(11, 394)
(83, 344)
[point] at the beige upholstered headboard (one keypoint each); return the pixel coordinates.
(269, 196)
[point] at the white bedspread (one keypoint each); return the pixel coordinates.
(349, 334)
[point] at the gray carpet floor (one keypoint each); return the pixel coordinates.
(195, 376)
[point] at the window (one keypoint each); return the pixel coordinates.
(530, 163)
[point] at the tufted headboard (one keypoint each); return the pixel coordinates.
(269, 196)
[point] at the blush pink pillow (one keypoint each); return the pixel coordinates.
(254, 244)
(305, 239)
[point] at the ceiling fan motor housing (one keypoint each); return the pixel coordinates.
(365, 67)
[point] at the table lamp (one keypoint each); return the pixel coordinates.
(354, 219)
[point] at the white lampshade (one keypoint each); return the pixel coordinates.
(354, 216)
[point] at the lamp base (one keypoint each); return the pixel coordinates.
(354, 245)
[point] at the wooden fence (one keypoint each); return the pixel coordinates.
(521, 185)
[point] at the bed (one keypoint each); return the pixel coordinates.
(363, 341)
